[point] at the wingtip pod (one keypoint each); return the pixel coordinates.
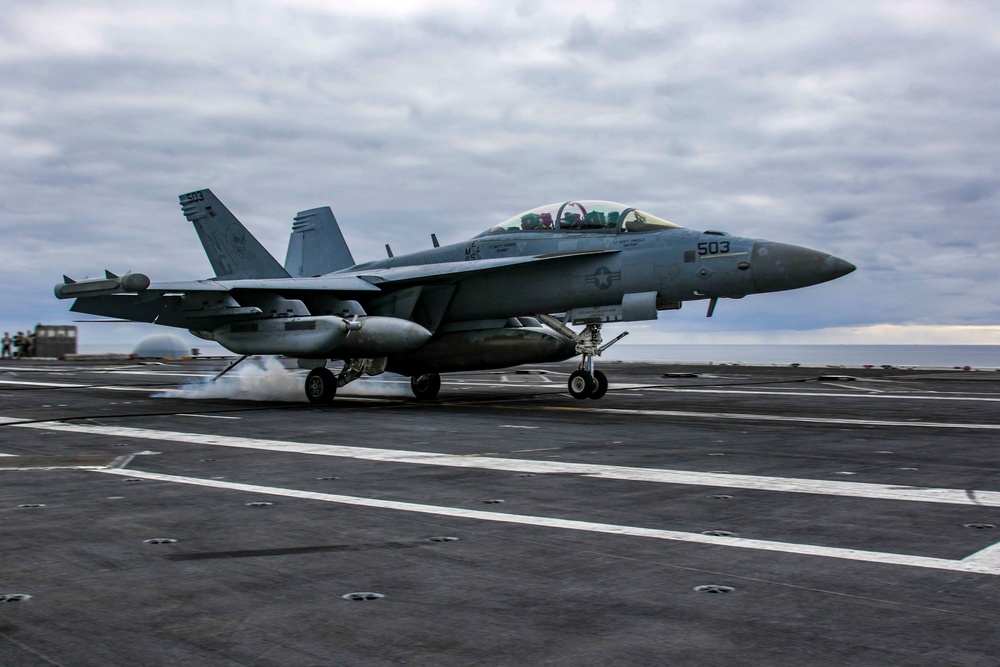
(135, 282)
(111, 284)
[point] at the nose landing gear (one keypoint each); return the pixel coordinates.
(585, 382)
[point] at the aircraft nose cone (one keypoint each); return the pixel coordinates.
(780, 266)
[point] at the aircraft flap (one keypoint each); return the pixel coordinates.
(122, 306)
(337, 283)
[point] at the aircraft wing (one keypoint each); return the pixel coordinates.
(343, 282)
(199, 304)
(424, 293)
(208, 304)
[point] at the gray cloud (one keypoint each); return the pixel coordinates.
(866, 131)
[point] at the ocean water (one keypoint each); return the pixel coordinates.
(946, 356)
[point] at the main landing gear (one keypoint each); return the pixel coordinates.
(321, 384)
(425, 387)
(585, 382)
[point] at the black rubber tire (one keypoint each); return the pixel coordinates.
(601, 385)
(425, 387)
(581, 384)
(321, 386)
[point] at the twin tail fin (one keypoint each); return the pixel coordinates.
(232, 250)
(317, 246)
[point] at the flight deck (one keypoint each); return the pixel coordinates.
(695, 515)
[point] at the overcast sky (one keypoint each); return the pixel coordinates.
(870, 130)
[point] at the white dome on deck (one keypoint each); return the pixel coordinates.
(161, 346)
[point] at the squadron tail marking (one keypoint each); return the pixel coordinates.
(232, 250)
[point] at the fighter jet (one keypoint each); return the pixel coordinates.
(506, 297)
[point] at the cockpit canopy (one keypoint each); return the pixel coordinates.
(582, 216)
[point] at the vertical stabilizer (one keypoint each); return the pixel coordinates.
(232, 250)
(316, 246)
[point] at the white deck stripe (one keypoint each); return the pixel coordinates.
(740, 416)
(984, 566)
(165, 388)
(845, 386)
(988, 557)
(181, 374)
(67, 385)
(185, 414)
(823, 394)
(717, 480)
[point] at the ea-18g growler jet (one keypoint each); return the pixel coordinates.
(506, 297)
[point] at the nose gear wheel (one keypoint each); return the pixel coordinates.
(601, 385)
(581, 384)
